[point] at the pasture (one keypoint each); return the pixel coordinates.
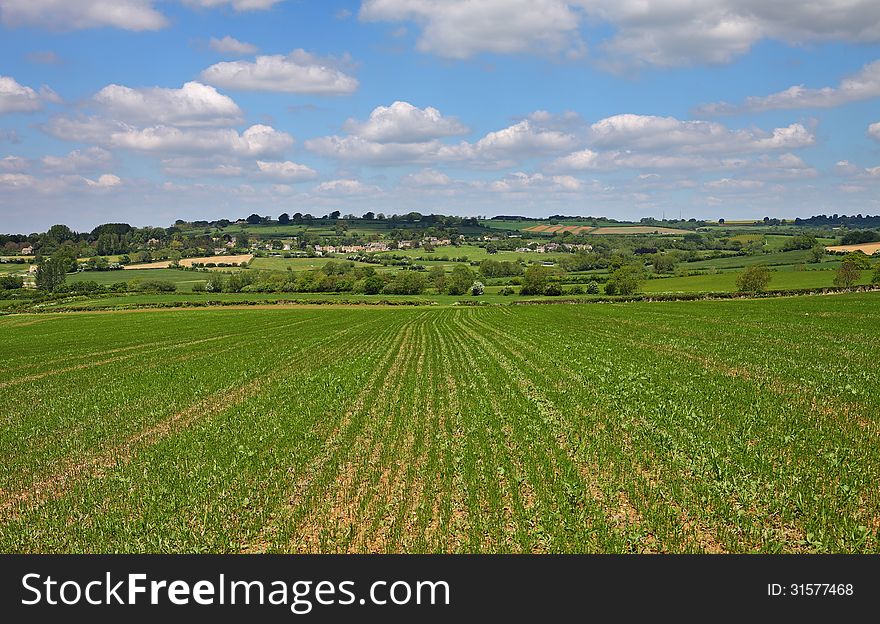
(713, 426)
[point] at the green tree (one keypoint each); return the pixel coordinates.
(51, 274)
(437, 277)
(626, 280)
(373, 285)
(859, 259)
(754, 279)
(284, 218)
(817, 254)
(593, 288)
(875, 279)
(477, 289)
(664, 263)
(847, 275)
(535, 280)
(11, 282)
(460, 281)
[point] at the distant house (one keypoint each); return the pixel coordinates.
(154, 242)
(27, 251)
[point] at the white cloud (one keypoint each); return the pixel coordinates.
(874, 131)
(286, 171)
(298, 72)
(426, 178)
(256, 141)
(404, 123)
(520, 182)
(659, 32)
(863, 85)
(232, 46)
(651, 133)
(734, 185)
(16, 180)
(135, 15)
(354, 148)
(194, 104)
(582, 160)
(90, 159)
(522, 140)
(462, 28)
(57, 185)
(202, 167)
(238, 5)
(346, 187)
(107, 180)
(16, 98)
(14, 163)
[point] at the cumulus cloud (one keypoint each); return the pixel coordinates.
(729, 184)
(661, 33)
(298, 72)
(135, 15)
(582, 160)
(17, 98)
(519, 182)
(257, 141)
(874, 131)
(461, 28)
(426, 178)
(12, 182)
(651, 133)
(202, 167)
(231, 46)
(523, 140)
(863, 85)
(107, 180)
(238, 5)
(404, 123)
(286, 171)
(14, 163)
(90, 159)
(346, 187)
(16, 180)
(194, 104)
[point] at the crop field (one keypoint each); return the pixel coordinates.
(726, 281)
(712, 426)
(184, 280)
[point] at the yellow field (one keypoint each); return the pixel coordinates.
(866, 248)
(188, 262)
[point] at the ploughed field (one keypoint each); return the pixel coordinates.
(732, 426)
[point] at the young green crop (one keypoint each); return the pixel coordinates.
(712, 426)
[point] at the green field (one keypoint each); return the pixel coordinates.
(183, 279)
(726, 281)
(734, 426)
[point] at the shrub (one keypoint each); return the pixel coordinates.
(477, 289)
(847, 275)
(508, 291)
(553, 289)
(593, 288)
(754, 279)
(626, 279)
(153, 285)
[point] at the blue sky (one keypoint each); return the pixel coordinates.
(146, 111)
